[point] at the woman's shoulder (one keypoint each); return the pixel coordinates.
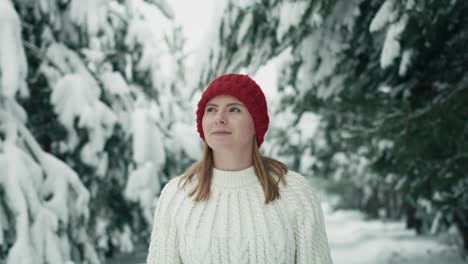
(300, 186)
(177, 184)
(172, 186)
(295, 179)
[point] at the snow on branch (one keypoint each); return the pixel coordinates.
(392, 48)
(42, 193)
(386, 14)
(89, 14)
(13, 66)
(164, 7)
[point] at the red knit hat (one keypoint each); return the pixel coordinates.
(247, 91)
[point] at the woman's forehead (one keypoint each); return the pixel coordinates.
(224, 100)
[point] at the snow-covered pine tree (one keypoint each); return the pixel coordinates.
(88, 92)
(251, 32)
(386, 79)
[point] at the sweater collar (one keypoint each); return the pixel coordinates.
(233, 179)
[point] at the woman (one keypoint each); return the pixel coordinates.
(236, 206)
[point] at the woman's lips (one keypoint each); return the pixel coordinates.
(221, 133)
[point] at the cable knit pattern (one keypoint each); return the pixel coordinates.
(235, 225)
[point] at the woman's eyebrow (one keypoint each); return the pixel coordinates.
(230, 104)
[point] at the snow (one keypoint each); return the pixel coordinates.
(405, 62)
(13, 67)
(152, 30)
(184, 135)
(410, 4)
(44, 193)
(115, 83)
(89, 14)
(164, 7)
(391, 48)
(353, 239)
(283, 120)
(147, 139)
(14, 172)
(290, 15)
(384, 144)
(142, 186)
(195, 18)
(308, 125)
(60, 178)
(44, 236)
(158, 25)
(244, 3)
(47, 200)
(139, 179)
(100, 232)
(384, 88)
(307, 161)
(340, 158)
(68, 61)
(25, 190)
(244, 28)
(74, 97)
(71, 96)
(138, 35)
(206, 56)
(126, 242)
(149, 154)
(317, 72)
(268, 77)
(386, 14)
(301, 133)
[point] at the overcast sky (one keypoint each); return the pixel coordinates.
(196, 18)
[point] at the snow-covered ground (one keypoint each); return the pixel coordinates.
(354, 240)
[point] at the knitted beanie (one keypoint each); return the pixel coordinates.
(247, 91)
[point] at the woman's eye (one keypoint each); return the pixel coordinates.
(210, 109)
(234, 109)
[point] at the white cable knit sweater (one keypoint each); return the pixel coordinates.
(235, 226)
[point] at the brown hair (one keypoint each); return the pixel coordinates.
(264, 166)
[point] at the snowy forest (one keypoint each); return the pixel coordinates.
(97, 112)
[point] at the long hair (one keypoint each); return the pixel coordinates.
(265, 169)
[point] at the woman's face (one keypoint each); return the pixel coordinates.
(228, 125)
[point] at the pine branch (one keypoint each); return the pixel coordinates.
(400, 119)
(119, 16)
(442, 100)
(14, 115)
(39, 54)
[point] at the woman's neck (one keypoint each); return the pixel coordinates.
(232, 161)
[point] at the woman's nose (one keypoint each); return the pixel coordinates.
(220, 118)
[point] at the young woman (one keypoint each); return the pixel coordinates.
(236, 206)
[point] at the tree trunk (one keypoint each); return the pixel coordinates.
(412, 221)
(461, 220)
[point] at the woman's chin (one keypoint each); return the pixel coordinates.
(219, 144)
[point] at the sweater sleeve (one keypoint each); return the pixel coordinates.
(163, 247)
(310, 235)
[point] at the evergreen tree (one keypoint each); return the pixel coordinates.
(88, 92)
(386, 79)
